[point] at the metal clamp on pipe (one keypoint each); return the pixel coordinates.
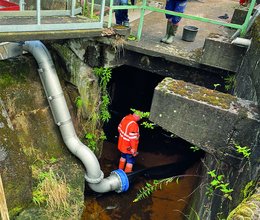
(96, 180)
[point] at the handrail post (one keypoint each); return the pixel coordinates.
(92, 8)
(72, 13)
(110, 13)
(21, 5)
(102, 11)
(38, 8)
(141, 22)
(250, 10)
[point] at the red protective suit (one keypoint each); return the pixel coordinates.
(128, 134)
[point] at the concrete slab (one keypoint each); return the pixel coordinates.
(219, 53)
(209, 119)
(188, 53)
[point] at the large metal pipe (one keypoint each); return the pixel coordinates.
(117, 181)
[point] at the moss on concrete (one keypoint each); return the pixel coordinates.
(247, 209)
(198, 93)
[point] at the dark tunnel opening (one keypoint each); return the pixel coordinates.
(161, 155)
(133, 88)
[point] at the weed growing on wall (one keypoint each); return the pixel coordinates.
(104, 75)
(100, 114)
(194, 148)
(229, 82)
(245, 151)
(218, 182)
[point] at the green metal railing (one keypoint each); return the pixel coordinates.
(144, 7)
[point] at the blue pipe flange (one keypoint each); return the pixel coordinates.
(123, 179)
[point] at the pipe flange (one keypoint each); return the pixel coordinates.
(123, 180)
(96, 180)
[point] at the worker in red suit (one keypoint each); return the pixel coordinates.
(128, 141)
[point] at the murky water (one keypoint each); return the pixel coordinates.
(168, 203)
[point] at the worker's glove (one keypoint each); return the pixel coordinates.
(133, 152)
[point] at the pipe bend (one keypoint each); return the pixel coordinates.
(87, 157)
(117, 180)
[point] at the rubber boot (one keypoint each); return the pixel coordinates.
(126, 23)
(128, 168)
(167, 32)
(122, 163)
(172, 33)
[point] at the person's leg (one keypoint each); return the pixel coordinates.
(130, 160)
(125, 19)
(169, 6)
(178, 7)
(118, 13)
(122, 162)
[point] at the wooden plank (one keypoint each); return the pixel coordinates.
(3, 205)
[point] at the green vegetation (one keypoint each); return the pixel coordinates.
(249, 189)
(79, 102)
(104, 75)
(132, 38)
(53, 192)
(6, 80)
(218, 183)
(216, 85)
(194, 148)
(148, 189)
(229, 82)
(245, 151)
(195, 92)
(144, 115)
(15, 211)
(91, 140)
(98, 110)
(104, 113)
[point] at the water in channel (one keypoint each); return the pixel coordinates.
(167, 203)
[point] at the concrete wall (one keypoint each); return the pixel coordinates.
(32, 143)
(215, 122)
(247, 84)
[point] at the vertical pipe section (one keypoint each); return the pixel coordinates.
(117, 180)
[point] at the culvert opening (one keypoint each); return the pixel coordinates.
(133, 88)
